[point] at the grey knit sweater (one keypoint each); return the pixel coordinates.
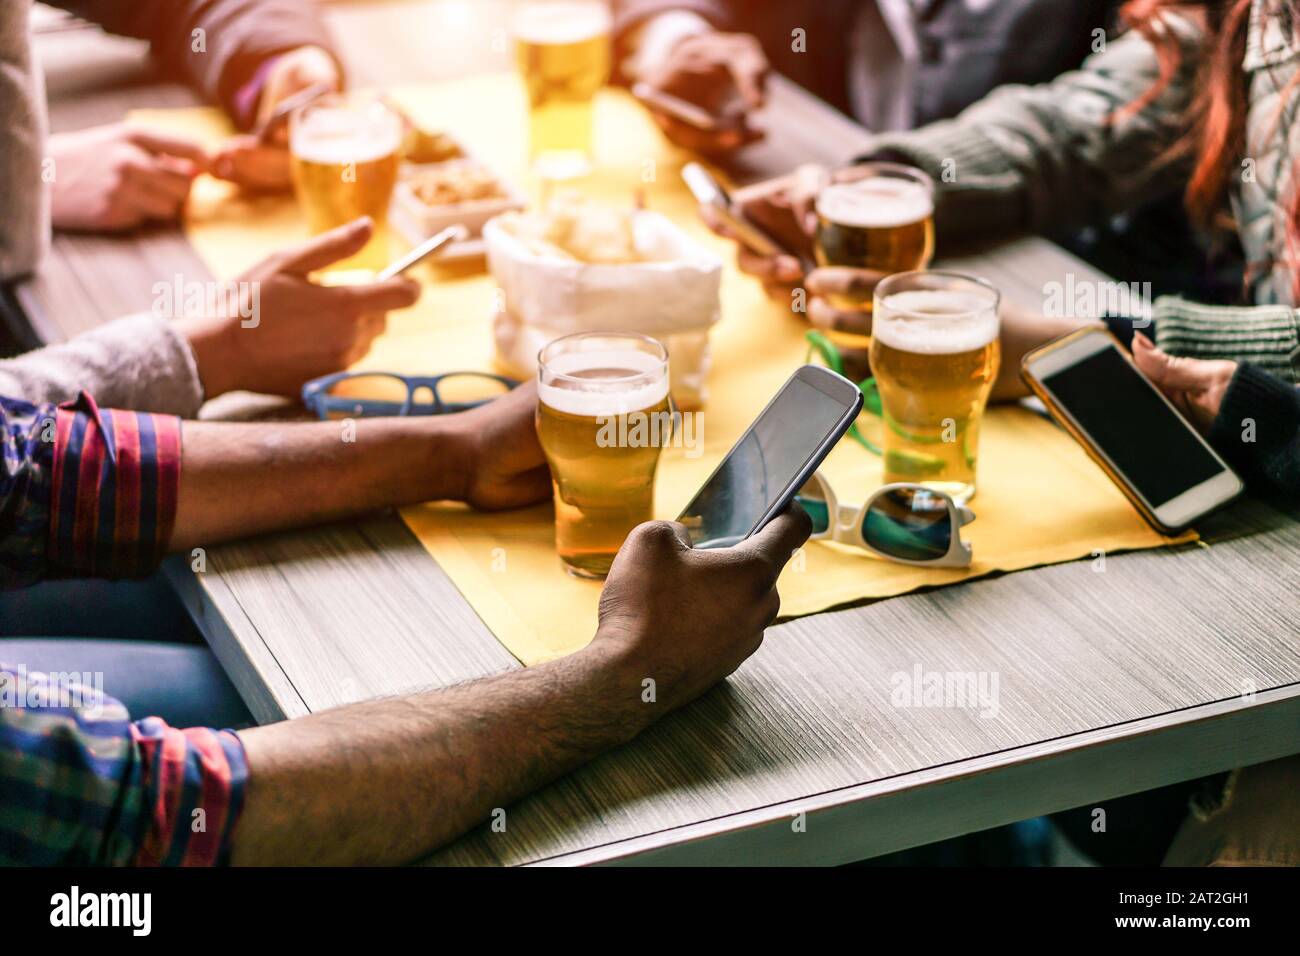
(1035, 157)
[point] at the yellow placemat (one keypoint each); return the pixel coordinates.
(1041, 499)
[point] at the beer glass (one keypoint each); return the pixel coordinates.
(603, 416)
(563, 49)
(345, 156)
(882, 221)
(935, 354)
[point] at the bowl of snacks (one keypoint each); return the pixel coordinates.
(580, 266)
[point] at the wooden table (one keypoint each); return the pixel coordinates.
(1115, 676)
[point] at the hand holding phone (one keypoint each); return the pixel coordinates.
(1163, 466)
(773, 459)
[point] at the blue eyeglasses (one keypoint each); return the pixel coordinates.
(387, 394)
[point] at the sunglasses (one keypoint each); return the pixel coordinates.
(388, 395)
(910, 524)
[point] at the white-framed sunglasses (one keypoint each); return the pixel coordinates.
(907, 523)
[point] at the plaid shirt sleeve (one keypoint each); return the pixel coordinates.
(80, 784)
(85, 491)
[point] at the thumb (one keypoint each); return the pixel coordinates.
(1170, 373)
(782, 536)
(328, 248)
(750, 75)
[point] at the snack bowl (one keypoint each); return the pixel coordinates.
(419, 211)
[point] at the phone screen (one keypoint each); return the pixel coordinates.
(763, 465)
(1127, 420)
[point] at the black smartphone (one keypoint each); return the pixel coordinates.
(1163, 466)
(773, 459)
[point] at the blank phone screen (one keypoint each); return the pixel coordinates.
(1147, 442)
(762, 466)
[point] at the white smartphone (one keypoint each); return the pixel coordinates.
(1161, 463)
(457, 233)
(709, 192)
(775, 457)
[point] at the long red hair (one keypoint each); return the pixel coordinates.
(1216, 125)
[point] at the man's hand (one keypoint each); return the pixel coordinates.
(505, 464)
(785, 209)
(1195, 386)
(686, 618)
(259, 165)
(724, 74)
(299, 330)
(113, 178)
(294, 72)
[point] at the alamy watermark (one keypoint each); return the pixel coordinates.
(976, 690)
(1086, 299)
(78, 690)
(653, 430)
(182, 298)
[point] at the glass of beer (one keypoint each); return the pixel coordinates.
(882, 221)
(935, 354)
(603, 416)
(563, 49)
(345, 155)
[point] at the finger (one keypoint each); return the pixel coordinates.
(1167, 371)
(148, 175)
(328, 248)
(253, 165)
(167, 144)
(150, 204)
(823, 315)
(681, 534)
(842, 280)
(698, 140)
(780, 269)
(774, 545)
(396, 293)
(749, 73)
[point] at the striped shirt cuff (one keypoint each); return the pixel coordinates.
(116, 478)
(1267, 336)
(194, 784)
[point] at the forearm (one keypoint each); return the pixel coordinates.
(388, 781)
(140, 363)
(1258, 429)
(1034, 158)
(237, 35)
(243, 479)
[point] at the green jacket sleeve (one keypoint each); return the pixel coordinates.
(1033, 158)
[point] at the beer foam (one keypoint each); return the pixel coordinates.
(596, 397)
(339, 136)
(561, 23)
(876, 203)
(935, 322)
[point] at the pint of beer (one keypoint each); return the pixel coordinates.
(345, 152)
(883, 221)
(563, 49)
(603, 416)
(935, 354)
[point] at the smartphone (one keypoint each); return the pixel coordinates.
(280, 115)
(457, 233)
(1161, 463)
(686, 111)
(773, 459)
(709, 192)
